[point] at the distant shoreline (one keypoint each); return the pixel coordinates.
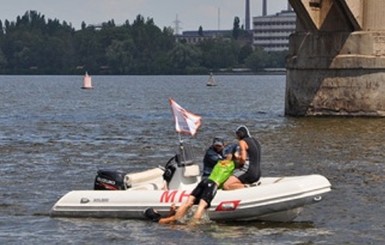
(267, 71)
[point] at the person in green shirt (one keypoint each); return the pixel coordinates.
(202, 194)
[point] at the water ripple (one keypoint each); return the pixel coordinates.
(55, 136)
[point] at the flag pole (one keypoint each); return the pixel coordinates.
(180, 138)
(181, 147)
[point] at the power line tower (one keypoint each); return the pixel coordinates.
(177, 25)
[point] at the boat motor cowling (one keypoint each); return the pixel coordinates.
(170, 168)
(109, 180)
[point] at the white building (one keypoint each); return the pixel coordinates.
(193, 37)
(271, 32)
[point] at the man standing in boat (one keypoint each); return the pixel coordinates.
(249, 161)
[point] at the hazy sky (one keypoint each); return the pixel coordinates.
(210, 14)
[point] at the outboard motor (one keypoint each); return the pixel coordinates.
(169, 168)
(109, 180)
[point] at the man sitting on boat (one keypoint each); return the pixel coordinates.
(202, 194)
(215, 153)
(249, 170)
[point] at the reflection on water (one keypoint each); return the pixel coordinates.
(54, 136)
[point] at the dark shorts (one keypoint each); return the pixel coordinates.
(246, 177)
(206, 190)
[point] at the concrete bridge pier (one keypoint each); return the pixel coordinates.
(336, 62)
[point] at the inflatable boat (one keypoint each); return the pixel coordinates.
(120, 195)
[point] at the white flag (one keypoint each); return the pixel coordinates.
(185, 121)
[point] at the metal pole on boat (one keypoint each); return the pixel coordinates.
(181, 148)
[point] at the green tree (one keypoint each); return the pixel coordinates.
(200, 31)
(257, 60)
(184, 56)
(277, 59)
(120, 56)
(150, 43)
(1, 30)
(3, 62)
(88, 49)
(219, 53)
(34, 45)
(236, 28)
(244, 52)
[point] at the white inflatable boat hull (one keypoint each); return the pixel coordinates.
(272, 199)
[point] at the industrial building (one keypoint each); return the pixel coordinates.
(271, 32)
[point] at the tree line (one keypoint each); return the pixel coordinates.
(34, 45)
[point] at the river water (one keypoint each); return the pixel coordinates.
(54, 136)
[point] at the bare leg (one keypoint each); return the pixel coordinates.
(180, 212)
(233, 183)
(200, 210)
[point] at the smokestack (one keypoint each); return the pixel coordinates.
(247, 19)
(264, 8)
(288, 6)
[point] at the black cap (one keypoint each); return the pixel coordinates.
(218, 141)
(242, 132)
